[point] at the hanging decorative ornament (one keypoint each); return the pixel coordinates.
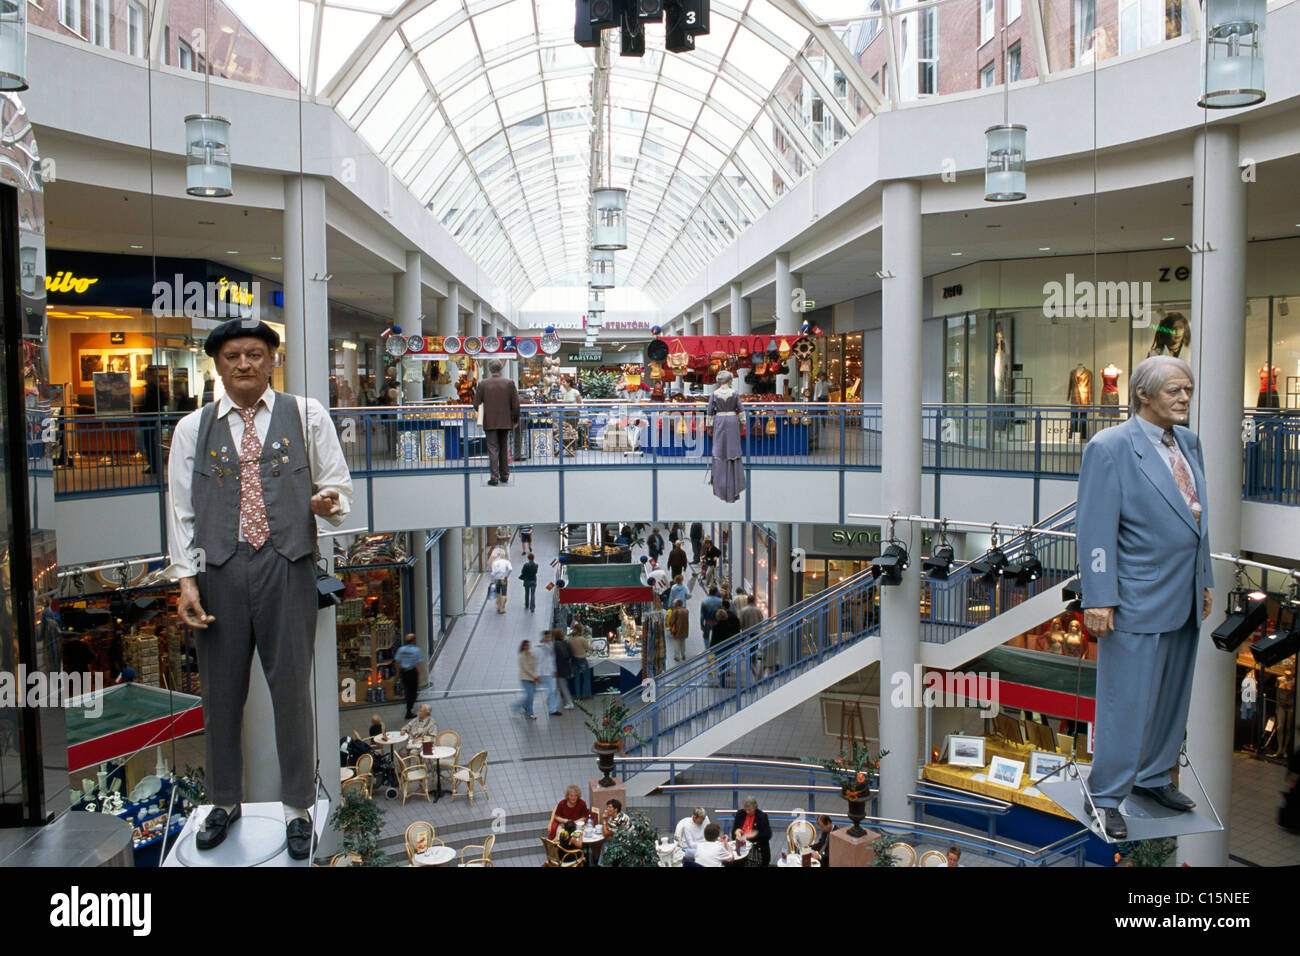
(472, 345)
(550, 341)
(415, 343)
(803, 329)
(451, 343)
(526, 347)
(396, 345)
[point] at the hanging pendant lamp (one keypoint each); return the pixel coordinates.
(207, 141)
(602, 268)
(1232, 56)
(13, 45)
(609, 219)
(1004, 144)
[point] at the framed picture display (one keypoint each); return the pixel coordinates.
(1043, 764)
(113, 393)
(965, 751)
(432, 447)
(1009, 728)
(1006, 773)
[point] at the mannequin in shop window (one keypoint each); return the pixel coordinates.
(1110, 386)
(1001, 367)
(1268, 397)
(1079, 393)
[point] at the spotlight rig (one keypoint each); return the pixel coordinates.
(1025, 570)
(1246, 612)
(990, 565)
(940, 563)
(683, 21)
(1283, 642)
(889, 567)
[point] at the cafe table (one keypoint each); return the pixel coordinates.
(434, 856)
(438, 755)
(793, 860)
(346, 774)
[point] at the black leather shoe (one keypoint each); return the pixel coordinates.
(493, 482)
(299, 838)
(1113, 823)
(215, 827)
(1167, 796)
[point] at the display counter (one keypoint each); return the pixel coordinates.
(616, 672)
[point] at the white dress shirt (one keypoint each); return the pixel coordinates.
(713, 854)
(1157, 436)
(689, 836)
(329, 469)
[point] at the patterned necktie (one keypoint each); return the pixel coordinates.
(252, 507)
(1181, 476)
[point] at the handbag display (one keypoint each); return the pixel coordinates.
(717, 360)
(678, 360)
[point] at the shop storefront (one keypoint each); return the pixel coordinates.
(1265, 723)
(1063, 331)
(375, 612)
(117, 323)
(759, 564)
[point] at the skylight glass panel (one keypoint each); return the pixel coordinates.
(351, 101)
(471, 97)
(404, 164)
(447, 55)
(676, 105)
(504, 25)
(681, 70)
(340, 31)
(757, 60)
(513, 71)
(568, 92)
(517, 106)
(727, 96)
(392, 109)
(427, 20)
(776, 21)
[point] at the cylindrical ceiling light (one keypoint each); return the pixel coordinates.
(609, 218)
(13, 45)
(594, 301)
(1004, 163)
(595, 319)
(602, 268)
(207, 143)
(1232, 57)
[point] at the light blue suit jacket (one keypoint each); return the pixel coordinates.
(1140, 549)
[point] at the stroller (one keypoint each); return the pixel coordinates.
(383, 770)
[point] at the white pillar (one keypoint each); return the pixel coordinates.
(420, 596)
(406, 313)
(782, 587)
(306, 373)
(1218, 333)
(475, 324)
(740, 326)
(901, 485)
(451, 564)
(449, 324)
(786, 320)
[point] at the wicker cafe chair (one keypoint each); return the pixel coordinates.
(360, 784)
(474, 772)
(800, 834)
(903, 854)
(419, 837)
(449, 738)
(485, 856)
(412, 773)
(933, 858)
(556, 855)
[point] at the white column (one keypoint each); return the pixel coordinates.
(782, 587)
(901, 485)
(449, 324)
(1218, 333)
(451, 563)
(787, 322)
(475, 324)
(420, 596)
(709, 320)
(740, 326)
(406, 313)
(306, 373)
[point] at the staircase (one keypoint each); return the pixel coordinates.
(695, 708)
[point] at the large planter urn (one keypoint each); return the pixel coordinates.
(605, 761)
(856, 794)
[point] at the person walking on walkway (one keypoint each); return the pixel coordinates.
(528, 575)
(697, 538)
(709, 557)
(655, 545)
(499, 400)
(708, 611)
(545, 655)
(679, 626)
(678, 592)
(563, 667)
(677, 559)
(408, 663)
(581, 685)
(499, 568)
(528, 680)
(526, 537)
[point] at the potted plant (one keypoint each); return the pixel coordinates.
(1145, 852)
(883, 849)
(359, 820)
(631, 845)
(855, 775)
(610, 729)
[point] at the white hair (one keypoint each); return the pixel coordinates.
(1151, 375)
(723, 377)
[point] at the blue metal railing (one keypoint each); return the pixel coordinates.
(92, 455)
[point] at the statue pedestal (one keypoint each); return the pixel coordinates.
(852, 851)
(600, 795)
(257, 838)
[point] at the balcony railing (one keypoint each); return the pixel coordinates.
(95, 455)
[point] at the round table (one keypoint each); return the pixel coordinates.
(394, 738)
(592, 837)
(434, 856)
(438, 755)
(793, 861)
(346, 774)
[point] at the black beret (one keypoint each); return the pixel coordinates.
(239, 328)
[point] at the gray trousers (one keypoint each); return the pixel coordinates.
(497, 441)
(1144, 689)
(259, 599)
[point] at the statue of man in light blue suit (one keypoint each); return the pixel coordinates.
(1144, 561)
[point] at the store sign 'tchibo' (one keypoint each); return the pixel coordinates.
(67, 282)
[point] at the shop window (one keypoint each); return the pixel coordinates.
(1286, 347)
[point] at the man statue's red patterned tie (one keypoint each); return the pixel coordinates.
(252, 508)
(1182, 477)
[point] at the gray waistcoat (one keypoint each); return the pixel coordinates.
(286, 485)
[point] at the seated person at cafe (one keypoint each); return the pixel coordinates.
(572, 807)
(751, 823)
(614, 817)
(422, 726)
(690, 831)
(954, 856)
(825, 827)
(376, 725)
(713, 851)
(569, 836)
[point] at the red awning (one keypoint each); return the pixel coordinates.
(631, 594)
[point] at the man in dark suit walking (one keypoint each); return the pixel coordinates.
(499, 399)
(1144, 560)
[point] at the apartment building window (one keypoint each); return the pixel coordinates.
(1013, 10)
(1013, 62)
(184, 55)
(1085, 30)
(135, 35)
(70, 14)
(927, 58)
(986, 21)
(1143, 23)
(101, 23)
(986, 75)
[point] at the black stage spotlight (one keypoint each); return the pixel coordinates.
(1024, 570)
(676, 39)
(695, 16)
(990, 565)
(650, 11)
(889, 567)
(1281, 644)
(604, 14)
(584, 33)
(631, 43)
(939, 564)
(1246, 611)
